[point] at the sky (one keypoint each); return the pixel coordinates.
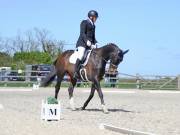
(150, 29)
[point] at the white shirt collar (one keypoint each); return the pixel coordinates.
(90, 21)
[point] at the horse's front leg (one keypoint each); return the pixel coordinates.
(98, 87)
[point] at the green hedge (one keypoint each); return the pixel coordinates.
(32, 57)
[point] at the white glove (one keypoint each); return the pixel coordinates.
(93, 46)
(88, 43)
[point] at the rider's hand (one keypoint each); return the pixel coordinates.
(97, 44)
(88, 43)
(93, 46)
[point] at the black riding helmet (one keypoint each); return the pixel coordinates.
(93, 13)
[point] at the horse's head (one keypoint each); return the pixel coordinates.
(116, 56)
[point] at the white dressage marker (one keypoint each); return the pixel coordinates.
(123, 130)
(1, 106)
(163, 92)
(50, 111)
(35, 87)
(15, 90)
(113, 91)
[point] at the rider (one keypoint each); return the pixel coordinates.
(86, 39)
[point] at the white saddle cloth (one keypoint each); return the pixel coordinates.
(74, 56)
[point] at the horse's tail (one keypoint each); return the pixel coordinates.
(50, 77)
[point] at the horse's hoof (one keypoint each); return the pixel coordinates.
(73, 109)
(106, 112)
(82, 108)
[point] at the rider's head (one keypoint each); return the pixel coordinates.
(93, 15)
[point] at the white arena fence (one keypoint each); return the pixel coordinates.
(120, 80)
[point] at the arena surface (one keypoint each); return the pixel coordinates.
(156, 112)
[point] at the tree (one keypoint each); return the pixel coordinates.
(5, 59)
(5, 45)
(32, 40)
(32, 57)
(49, 45)
(35, 46)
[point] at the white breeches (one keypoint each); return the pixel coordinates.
(80, 51)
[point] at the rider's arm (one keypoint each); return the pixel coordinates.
(83, 31)
(96, 41)
(95, 36)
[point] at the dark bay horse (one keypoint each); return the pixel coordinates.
(95, 71)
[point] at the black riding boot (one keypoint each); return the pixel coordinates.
(77, 66)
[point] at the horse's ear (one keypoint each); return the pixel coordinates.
(124, 52)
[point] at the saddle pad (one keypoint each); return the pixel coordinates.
(74, 56)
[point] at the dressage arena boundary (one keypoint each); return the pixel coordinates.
(114, 91)
(11, 89)
(123, 130)
(86, 90)
(1, 106)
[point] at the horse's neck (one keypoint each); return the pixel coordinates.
(105, 52)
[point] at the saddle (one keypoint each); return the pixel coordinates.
(84, 61)
(86, 56)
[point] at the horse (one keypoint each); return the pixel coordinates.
(95, 70)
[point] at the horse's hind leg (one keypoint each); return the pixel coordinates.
(90, 96)
(70, 90)
(58, 85)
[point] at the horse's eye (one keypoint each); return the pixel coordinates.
(119, 54)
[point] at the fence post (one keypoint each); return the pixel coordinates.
(178, 82)
(138, 83)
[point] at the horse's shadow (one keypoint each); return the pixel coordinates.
(100, 110)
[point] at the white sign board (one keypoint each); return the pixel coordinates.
(50, 111)
(35, 87)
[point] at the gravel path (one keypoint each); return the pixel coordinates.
(157, 113)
